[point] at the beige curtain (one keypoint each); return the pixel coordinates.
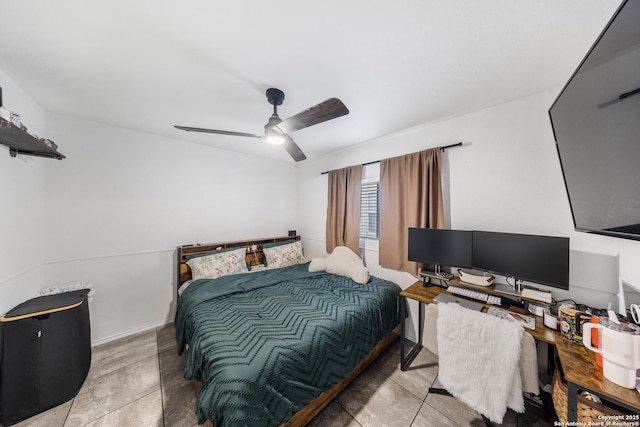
(343, 208)
(410, 196)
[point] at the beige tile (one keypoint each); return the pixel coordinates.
(171, 367)
(167, 338)
(417, 378)
(54, 417)
(430, 417)
(112, 356)
(375, 400)
(453, 409)
(464, 415)
(102, 395)
(146, 411)
(333, 415)
(179, 402)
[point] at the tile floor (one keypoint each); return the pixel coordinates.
(137, 381)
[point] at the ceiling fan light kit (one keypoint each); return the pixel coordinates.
(276, 131)
(274, 137)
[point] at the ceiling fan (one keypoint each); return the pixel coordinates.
(276, 130)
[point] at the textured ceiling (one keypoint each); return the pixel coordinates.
(148, 65)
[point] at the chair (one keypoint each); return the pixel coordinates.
(477, 353)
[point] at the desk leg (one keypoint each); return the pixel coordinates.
(551, 358)
(572, 402)
(403, 334)
(405, 361)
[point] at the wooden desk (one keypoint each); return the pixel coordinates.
(426, 295)
(577, 361)
(581, 371)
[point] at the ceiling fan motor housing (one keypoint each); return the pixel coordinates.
(275, 96)
(273, 121)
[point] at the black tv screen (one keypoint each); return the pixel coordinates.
(538, 259)
(440, 246)
(596, 124)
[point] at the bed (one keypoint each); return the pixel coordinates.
(275, 346)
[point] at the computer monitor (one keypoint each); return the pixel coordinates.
(440, 247)
(538, 259)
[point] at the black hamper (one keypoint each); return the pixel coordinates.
(45, 354)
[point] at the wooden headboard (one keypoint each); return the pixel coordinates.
(252, 257)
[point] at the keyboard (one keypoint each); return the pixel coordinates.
(477, 295)
(446, 298)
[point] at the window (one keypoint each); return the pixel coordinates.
(369, 210)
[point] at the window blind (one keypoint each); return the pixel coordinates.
(369, 210)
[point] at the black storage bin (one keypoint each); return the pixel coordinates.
(45, 354)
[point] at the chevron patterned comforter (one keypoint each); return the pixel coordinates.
(265, 344)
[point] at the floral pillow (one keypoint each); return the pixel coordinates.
(284, 255)
(218, 265)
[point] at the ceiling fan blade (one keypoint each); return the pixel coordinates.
(293, 149)
(330, 109)
(221, 132)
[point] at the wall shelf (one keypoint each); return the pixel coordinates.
(21, 142)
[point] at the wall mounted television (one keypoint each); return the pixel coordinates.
(596, 125)
(440, 247)
(533, 258)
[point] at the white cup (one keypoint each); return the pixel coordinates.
(620, 349)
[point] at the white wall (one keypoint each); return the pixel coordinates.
(123, 200)
(113, 212)
(506, 177)
(21, 207)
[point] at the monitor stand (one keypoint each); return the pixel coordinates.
(508, 289)
(427, 275)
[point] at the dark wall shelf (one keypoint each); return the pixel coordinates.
(21, 142)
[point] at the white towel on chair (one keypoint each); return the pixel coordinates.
(479, 360)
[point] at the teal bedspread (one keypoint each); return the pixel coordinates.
(265, 344)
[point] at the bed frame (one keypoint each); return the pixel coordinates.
(253, 257)
(306, 414)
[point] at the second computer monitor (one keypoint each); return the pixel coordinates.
(539, 259)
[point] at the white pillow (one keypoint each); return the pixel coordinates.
(359, 273)
(318, 264)
(341, 260)
(218, 265)
(344, 262)
(284, 255)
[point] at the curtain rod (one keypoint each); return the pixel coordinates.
(459, 144)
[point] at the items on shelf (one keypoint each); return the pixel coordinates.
(536, 294)
(10, 116)
(475, 277)
(49, 142)
(526, 321)
(14, 134)
(572, 321)
(550, 319)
